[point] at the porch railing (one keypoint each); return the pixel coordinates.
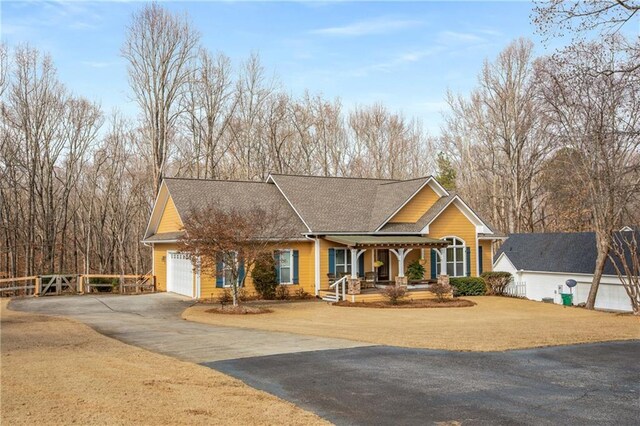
(342, 282)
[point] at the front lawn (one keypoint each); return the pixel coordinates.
(495, 323)
(58, 371)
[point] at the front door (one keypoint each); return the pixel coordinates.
(383, 271)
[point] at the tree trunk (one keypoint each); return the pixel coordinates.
(603, 243)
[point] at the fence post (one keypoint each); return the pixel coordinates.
(121, 282)
(80, 284)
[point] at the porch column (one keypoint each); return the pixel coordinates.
(401, 254)
(355, 256)
(443, 261)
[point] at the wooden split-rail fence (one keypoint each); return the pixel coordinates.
(58, 284)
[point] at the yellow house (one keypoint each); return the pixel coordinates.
(342, 227)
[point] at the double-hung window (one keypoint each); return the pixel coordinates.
(227, 269)
(456, 258)
(285, 266)
(343, 261)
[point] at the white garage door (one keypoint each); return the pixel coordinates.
(179, 274)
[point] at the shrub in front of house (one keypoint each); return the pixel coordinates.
(496, 281)
(394, 293)
(441, 290)
(265, 277)
(468, 286)
(282, 292)
(415, 271)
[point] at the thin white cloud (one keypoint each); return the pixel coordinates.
(458, 37)
(361, 28)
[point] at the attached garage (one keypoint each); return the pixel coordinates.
(180, 277)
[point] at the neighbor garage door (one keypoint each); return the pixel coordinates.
(179, 274)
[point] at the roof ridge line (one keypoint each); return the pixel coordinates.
(215, 180)
(335, 177)
(407, 180)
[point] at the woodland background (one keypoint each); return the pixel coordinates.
(541, 144)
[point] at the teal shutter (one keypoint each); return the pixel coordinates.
(361, 266)
(295, 267)
(276, 256)
(434, 268)
(468, 261)
(219, 272)
(480, 260)
(332, 261)
(241, 273)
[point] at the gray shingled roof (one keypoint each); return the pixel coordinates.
(194, 194)
(329, 204)
(554, 252)
(164, 236)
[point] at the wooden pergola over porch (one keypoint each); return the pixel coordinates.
(399, 245)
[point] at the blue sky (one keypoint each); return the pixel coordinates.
(404, 54)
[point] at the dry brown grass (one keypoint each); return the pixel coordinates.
(495, 323)
(56, 371)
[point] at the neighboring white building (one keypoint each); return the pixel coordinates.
(545, 261)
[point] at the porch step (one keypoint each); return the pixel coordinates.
(331, 298)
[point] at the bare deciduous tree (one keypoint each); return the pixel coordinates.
(230, 241)
(625, 256)
(159, 46)
(597, 115)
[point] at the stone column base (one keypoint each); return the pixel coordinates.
(402, 281)
(443, 279)
(354, 286)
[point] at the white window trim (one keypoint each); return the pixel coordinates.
(449, 260)
(290, 251)
(335, 263)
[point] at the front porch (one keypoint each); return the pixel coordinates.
(361, 266)
(376, 294)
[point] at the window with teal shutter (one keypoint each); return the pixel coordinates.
(434, 264)
(295, 267)
(361, 266)
(468, 261)
(480, 260)
(219, 271)
(241, 273)
(276, 256)
(332, 261)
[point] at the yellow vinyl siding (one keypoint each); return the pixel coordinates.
(208, 287)
(453, 223)
(170, 220)
(417, 207)
(487, 261)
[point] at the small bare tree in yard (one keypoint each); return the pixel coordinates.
(233, 238)
(625, 256)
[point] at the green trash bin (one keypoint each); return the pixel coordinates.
(567, 299)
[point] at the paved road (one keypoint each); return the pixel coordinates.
(153, 322)
(349, 383)
(576, 385)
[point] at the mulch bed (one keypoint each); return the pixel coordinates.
(410, 304)
(238, 310)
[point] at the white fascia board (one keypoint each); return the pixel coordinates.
(156, 213)
(270, 178)
(503, 254)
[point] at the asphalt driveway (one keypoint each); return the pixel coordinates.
(571, 385)
(351, 383)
